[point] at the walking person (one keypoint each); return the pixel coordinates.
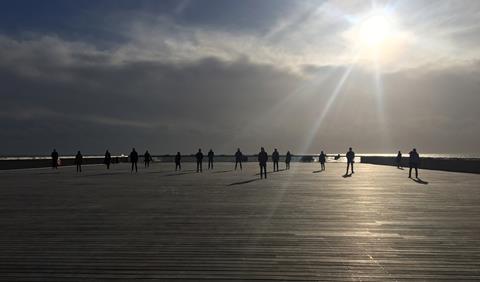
(413, 162)
(108, 159)
(398, 160)
(147, 158)
(134, 159)
(178, 165)
(262, 161)
(350, 159)
(322, 159)
(54, 159)
(78, 161)
(288, 158)
(210, 156)
(238, 159)
(275, 159)
(199, 157)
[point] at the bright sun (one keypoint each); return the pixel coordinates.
(378, 36)
(374, 30)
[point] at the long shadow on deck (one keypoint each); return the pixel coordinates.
(272, 171)
(182, 173)
(243, 182)
(105, 173)
(419, 181)
(222, 171)
(317, 171)
(45, 173)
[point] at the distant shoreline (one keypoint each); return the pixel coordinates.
(441, 162)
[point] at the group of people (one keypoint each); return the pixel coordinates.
(239, 158)
(413, 161)
(147, 158)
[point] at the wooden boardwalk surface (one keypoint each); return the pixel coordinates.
(377, 225)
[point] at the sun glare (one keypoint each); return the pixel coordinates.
(378, 37)
(374, 30)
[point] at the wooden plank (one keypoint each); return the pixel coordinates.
(296, 225)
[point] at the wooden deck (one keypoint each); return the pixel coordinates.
(225, 225)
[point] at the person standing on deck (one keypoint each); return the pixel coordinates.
(199, 157)
(78, 161)
(350, 159)
(238, 159)
(322, 159)
(262, 161)
(147, 158)
(275, 159)
(178, 157)
(54, 159)
(398, 160)
(210, 156)
(288, 158)
(413, 162)
(134, 159)
(108, 159)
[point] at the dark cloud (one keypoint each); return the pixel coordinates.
(75, 97)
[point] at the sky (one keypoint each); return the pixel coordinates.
(304, 76)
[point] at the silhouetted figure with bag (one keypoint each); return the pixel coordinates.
(178, 158)
(275, 159)
(134, 159)
(54, 159)
(210, 156)
(78, 161)
(350, 159)
(322, 159)
(398, 159)
(238, 159)
(108, 159)
(288, 159)
(147, 158)
(413, 162)
(262, 161)
(199, 157)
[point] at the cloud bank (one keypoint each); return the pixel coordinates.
(175, 85)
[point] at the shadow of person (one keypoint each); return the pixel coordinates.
(273, 171)
(243, 182)
(347, 175)
(316, 171)
(420, 181)
(179, 173)
(222, 171)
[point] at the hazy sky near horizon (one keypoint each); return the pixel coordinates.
(303, 76)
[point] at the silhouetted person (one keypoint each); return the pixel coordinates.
(288, 159)
(54, 159)
(322, 159)
(199, 157)
(238, 159)
(108, 159)
(134, 159)
(398, 159)
(210, 156)
(350, 159)
(413, 162)
(337, 157)
(262, 161)
(275, 159)
(147, 158)
(178, 165)
(78, 161)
